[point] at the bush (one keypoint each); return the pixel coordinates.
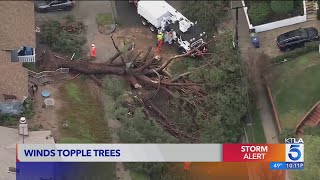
(282, 7)
(309, 47)
(28, 108)
(9, 120)
(259, 13)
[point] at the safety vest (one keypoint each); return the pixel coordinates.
(160, 37)
(93, 52)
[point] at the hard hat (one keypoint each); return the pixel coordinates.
(160, 32)
(92, 45)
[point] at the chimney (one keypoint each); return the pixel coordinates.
(23, 127)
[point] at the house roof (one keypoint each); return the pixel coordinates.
(17, 19)
(9, 137)
(13, 80)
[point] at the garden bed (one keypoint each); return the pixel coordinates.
(263, 12)
(296, 88)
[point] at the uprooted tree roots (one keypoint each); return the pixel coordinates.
(143, 73)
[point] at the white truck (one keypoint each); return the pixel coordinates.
(177, 29)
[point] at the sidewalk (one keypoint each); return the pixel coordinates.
(247, 52)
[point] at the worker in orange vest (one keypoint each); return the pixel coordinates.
(160, 41)
(93, 51)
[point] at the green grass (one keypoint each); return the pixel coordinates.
(138, 176)
(84, 114)
(104, 19)
(255, 132)
(31, 66)
(296, 88)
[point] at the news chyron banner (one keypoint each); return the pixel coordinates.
(35, 160)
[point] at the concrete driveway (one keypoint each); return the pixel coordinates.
(86, 12)
(268, 38)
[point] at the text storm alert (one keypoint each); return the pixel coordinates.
(253, 152)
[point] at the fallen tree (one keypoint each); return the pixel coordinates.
(145, 74)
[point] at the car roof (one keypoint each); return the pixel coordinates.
(290, 35)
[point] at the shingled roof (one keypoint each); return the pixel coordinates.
(17, 19)
(17, 29)
(13, 80)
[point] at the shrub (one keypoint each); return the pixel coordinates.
(309, 47)
(259, 13)
(282, 7)
(28, 108)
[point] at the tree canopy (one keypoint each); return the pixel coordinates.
(207, 13)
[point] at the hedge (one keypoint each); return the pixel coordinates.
(259, 13)
(309, 47)
(282, 7)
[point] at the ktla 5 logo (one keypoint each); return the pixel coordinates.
(295, 151)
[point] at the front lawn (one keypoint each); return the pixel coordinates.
(296, 88)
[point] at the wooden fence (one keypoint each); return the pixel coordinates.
(47, 76)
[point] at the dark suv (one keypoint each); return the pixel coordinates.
(296, 38)
(54, 5)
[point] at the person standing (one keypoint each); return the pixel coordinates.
(160, 41)
(93, 51)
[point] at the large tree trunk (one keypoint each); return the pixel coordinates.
(140, 72)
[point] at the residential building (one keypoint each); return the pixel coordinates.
(17, 45)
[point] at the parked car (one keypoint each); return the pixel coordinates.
(54, 5)
(297, 38)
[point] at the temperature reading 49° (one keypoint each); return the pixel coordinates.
(277, 166)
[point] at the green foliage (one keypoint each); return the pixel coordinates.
(30, 66)
(314, 131)
(208, 13)
(60, 40)
(70, 18)
(282, 7)
(311, 159)
(286, 133)
(309, 47)
(28, 108)
(224, 104)
(9, 120)
(115, 87)
(259, 12)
